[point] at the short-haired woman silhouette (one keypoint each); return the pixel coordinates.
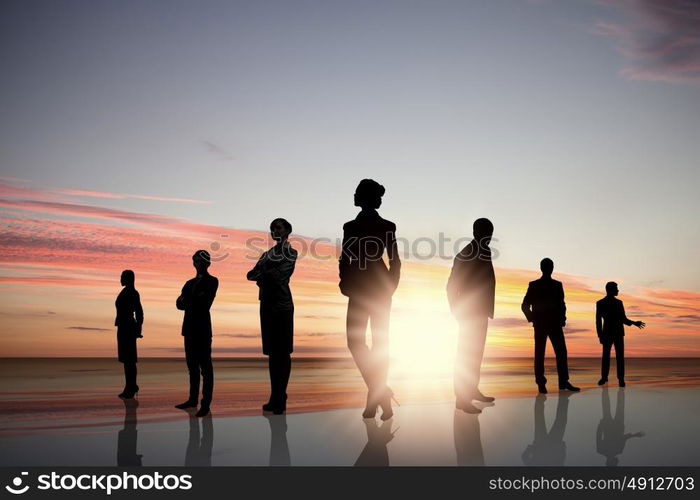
(129, 322)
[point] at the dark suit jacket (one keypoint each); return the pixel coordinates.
(272, 273)
(610, 318)
(129, 310)
(471, 288)
(361, 267)
(544, 304)
(196, 299)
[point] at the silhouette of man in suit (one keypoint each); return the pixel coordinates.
(544, 307)
(196, 299)
(610, 319)
(369, 286)
(610, 436)
(471, 291)
(548, 448)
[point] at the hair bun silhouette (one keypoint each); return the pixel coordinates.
(369, 193)
(202, 254)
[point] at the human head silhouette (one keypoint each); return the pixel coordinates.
(280, 229)
(547, 267)
(128, 278)
(369, 194)
(611, 289)
(201, 260)
(483, 230)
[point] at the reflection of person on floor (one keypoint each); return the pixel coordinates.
(548, 448)
(610, 437)
(127, 438)
(279, 448)
(467, 432)
(199, 451)
(375, 453)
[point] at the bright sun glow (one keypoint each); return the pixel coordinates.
(423, 334)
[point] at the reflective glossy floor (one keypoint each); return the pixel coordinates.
(631, 426)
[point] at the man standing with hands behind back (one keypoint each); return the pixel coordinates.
(196, 298)
(471, 291)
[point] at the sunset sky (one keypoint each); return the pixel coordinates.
(136, 132)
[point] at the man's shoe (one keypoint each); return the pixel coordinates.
(568, 387)
(622, 383)
(186, 404)
(542, 388)
(271, 404)
(603, 381)
(203, 412)
(478, 396)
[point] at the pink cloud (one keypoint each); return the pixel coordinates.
(104, 194)
(660, 39)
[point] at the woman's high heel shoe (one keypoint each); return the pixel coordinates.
(272, 404)
(387, 410)
(370, 407)
(129, 393)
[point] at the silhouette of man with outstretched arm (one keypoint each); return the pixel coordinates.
(471, 291)
(196, 299)
(610, 321)
(544, 307)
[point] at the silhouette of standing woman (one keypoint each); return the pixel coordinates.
(129, 321)
(369, 285)
(196, 299)
(272, 273)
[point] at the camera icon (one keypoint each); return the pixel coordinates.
(216, 247)
(16, 488)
